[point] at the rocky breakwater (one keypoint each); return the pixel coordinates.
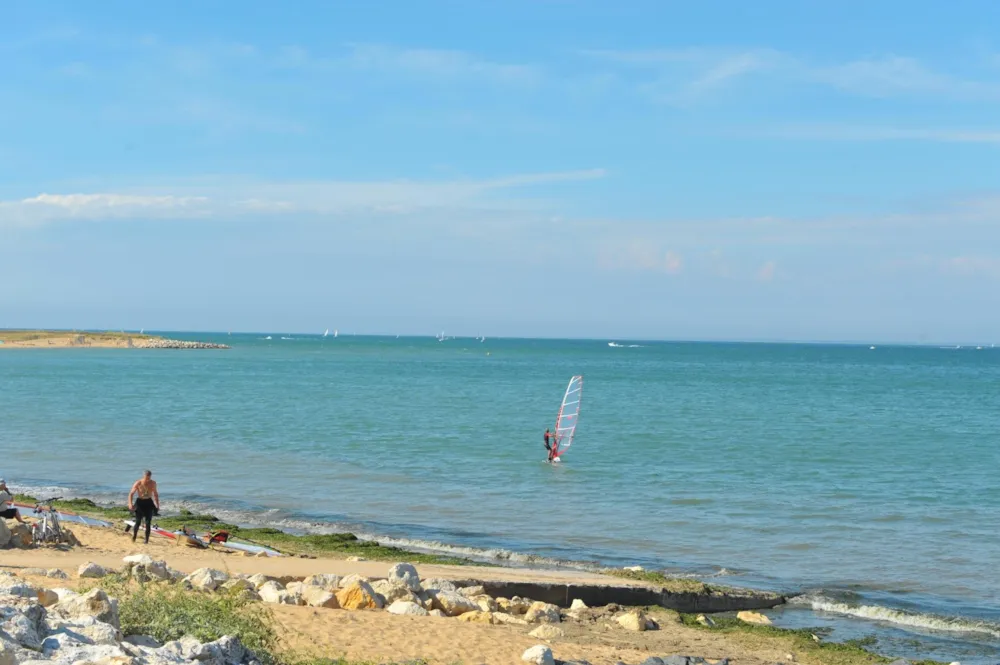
(61, 627)
(174, 344)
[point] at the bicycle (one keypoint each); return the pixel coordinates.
(47, 529)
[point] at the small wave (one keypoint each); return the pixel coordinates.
(932, 622)
(616, 345)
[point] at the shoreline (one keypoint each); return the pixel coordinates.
(82, 339)
(339, 553)
(368, 635)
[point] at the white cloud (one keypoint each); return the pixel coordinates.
(893, 75)
(234, 199)
(438, 63)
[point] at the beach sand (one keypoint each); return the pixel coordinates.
(384, 637)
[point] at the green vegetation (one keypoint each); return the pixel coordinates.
(30, 335)
(169, 612)
(803, 641)
(346, 544)
(674, 584)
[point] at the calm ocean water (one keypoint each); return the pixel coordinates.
(866, 478)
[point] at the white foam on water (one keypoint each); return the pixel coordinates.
(931, 622)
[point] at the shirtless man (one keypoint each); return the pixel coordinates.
(7, 509)
(147, 503)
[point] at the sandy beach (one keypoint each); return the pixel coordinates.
(64, 339)
(382, 636)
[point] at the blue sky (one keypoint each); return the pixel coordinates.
(770, 170)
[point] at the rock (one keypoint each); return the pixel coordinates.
(8, 650)
(547, 632)
(37, 572)
(453, 604)
(206, 579)
(407, 608)
(538, 655)
(94, 603)
(636, 620)
(4, 533)
(426, 599)
(18, 589)
(258, 580)
(578, 604)
(754, 618)
(23, 622)
(315, 596)
(542, 613)
(240, 587)
(323, 581)
(359, 596)
(47, 597)
(486, 603)
(437, 613)
(436, 584)
(516, 606)
(143, 641)
(82, 630)
(405, 575)
(356, 559)
(273, 592)
(295, 587)
(20, 537)
(65, 594)
(634, 569)
(393, 591)
(157, 571)
(704, 620)
(351, 579)
(508, 619)
(56, 574)
(472, 591)
(141, 559)
(477, 616)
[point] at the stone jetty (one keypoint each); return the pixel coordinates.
(174, 344)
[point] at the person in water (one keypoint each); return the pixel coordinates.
(7, 509)
(550, 444)
(147, 503)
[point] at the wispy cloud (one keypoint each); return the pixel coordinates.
(236, 199)
(687, 74)
(766, 272)
(892, 76)
(640, 255)
(860, 133)
(437, 63)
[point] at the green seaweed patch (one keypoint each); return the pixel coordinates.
(803, 640)
(673, 584)
(81, 506)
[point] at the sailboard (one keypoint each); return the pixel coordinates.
(569, 416)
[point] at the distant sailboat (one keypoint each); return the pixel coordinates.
(327, 332)
(335, 333)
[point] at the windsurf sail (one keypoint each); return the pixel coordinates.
(569, 416)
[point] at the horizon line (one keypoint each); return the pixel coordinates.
(606, 340)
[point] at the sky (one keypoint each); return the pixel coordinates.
(796, 170)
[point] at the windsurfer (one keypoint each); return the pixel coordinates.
(147, 503)
(7, 509)
(550, 444)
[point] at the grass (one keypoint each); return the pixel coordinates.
(801, 642)
(169, 612)
(346, 544)
(29, 335)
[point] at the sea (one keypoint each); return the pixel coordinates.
(863, 480)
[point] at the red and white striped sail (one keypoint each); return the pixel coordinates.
(569, 415)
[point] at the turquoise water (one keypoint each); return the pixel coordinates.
(867, 478)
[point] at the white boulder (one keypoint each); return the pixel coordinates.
(453, 603)
(547, 632)
(206, 579)
(542, 613)
(538, 655)
(406, 575)
(323, 581)
(407, 608)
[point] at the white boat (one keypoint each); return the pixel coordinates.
(327, 332)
